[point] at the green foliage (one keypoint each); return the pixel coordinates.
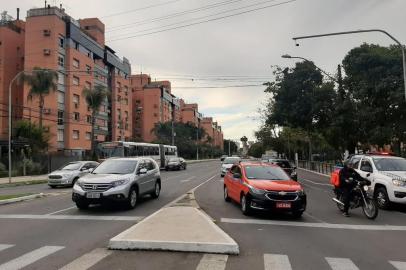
(256, 150)
(233, 147)
(35, 136)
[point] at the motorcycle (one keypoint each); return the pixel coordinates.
(361, 197)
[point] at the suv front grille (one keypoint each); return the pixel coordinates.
(281, 196)
(55, 176)
(96, 187)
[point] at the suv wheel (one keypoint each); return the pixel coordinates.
(157, 190)
(82, 204)
(245, 205)
(382, 198)
(132, 198)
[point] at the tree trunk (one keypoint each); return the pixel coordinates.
(92, 147)
(41, 110)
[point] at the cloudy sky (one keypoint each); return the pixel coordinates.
(234, 51)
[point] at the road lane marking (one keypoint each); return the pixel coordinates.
(316, 183)
(73, 217)
(398, 265)
(341, 264)
(30, 257)
(63, 210)
(88, 260)
(315, 225)
(276, 262)
(4, 246)
(188, 179)
(212, 262)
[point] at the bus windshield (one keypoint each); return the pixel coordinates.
(108, 151)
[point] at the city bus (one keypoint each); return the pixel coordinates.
(159, 152)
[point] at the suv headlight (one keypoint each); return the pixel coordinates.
(399, 182)
(80, 183)
(66, 175)
(120, 182)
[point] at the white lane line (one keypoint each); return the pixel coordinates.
(30, 258)
(188, 179)
(63, 210)
(398, 265)
(73, 217)
(341, 264)
(4, 246)
(88, 260)
(276, 262)
(212, 262)
(315, 225)
(316, 183)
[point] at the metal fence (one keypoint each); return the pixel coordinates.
(317, 166)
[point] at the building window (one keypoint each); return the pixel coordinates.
(125, 101)
(118, 87)
(119, 98)
(75, 80)
(119, 114)
(76, 63)
(88, 69)
(76, 116)
(61, 60)
(61, 42)
(89, 119)
(88, 85)
(60, 135)
(76, 100)
(61, 78)
(60, 117)
(61, 97)
(88, 136)
(75, 134)
(76, 46)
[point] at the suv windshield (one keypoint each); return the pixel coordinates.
(231, 160)
(390, 164)
(72, 166)
(265, 173)
(116, 166)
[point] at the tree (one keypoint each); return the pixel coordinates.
(41, 82)
(37, 137)
(94, 98)
(230, 146)
(256, 150)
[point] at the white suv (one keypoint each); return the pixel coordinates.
(387, 174)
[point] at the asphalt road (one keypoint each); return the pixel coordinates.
(54, 232)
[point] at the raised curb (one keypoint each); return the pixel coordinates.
(24, 198)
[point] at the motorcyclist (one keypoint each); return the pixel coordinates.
(348, 178)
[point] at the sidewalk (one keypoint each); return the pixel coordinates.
(18, 179)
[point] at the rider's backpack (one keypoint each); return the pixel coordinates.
(335, 178)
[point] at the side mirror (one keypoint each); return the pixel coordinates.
(90, 170)
(142, 171)
(237, 176)
(368, 174)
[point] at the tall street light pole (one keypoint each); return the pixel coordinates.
(402, 47)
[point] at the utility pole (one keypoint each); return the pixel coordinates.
(173, 133)
(229, 148)
(197, 143)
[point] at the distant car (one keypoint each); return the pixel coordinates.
(70, 173)
(227, 164)
(223, 157)
(119, 180)
(285, 165)
(176, 163)
(263, 186)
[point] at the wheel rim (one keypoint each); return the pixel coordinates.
(243, 204)
(225, 193)
(381, 198)
(157, 189)
(369, 209)
(133, 199)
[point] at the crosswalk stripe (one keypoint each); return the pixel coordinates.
(341, 264)
(30, 257)
(398, 265)
(276, 262)
(4, 246)
(212, 262)
(88, 260)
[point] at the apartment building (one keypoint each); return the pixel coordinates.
(76, 50)
(214, 134)
(190, 113)
(153, 103)
(12, 34)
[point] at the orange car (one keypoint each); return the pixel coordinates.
(263, 186)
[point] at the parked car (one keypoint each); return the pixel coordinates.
(387, 174)
(227, 163)
(70, 173)
(263, 186)
(176, 163)
(118, 180)
(285, 165)
(223, 157)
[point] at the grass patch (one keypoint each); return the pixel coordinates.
(25, 183)
(12, 196)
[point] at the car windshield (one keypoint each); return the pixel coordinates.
(283, 163)
(231, 160)
(390, 164)
(115, 166)
(265, 173)
(173, 159)
(72, 166)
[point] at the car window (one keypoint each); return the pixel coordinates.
(142, 165)
(234, 169)
(355, 161)
(116, 166)
(366, 165)
(390, 164)
(265, 173)
(283, 164)
(150, 165)
(72, 166)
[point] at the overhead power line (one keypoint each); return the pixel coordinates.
(205, 21)
(227, 86)
(139, 9)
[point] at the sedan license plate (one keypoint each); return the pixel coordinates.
(93, 195)
(283, 205)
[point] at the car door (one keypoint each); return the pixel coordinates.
(366, 169)
(142, 179)
(234, 191)
(150, 182)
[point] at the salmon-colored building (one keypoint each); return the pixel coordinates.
(190, 113)
(214, 135)
(76, 50)
(153, 103)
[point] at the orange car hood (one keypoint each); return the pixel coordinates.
(282, 185)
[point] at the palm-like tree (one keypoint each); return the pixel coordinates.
(94, 98)
(41, 81)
